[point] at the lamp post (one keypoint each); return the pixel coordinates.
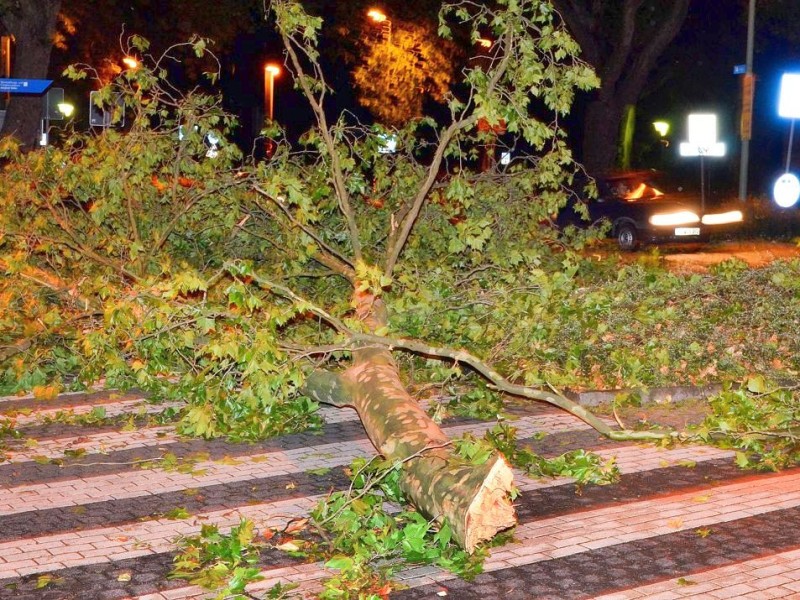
(271, 71)
(747, 103)
(381, 19)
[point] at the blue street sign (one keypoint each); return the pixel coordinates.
(24, 86)
(739, 69)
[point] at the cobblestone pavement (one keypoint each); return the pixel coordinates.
(80, 514)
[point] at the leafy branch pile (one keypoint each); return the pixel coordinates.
(759, 419)
(367, 534)
(252, 290)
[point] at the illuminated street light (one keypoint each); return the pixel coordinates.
(66, 109)
(381, 19)
(376, 15)
(484, 42)
(130, 62)
(271, 71)
(661, 127)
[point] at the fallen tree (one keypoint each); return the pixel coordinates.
(248, 289)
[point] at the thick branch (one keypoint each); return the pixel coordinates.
(503, 385)
(358, 339)
(646, 58)
(336, 169)
(611, 71)
(332, 259)
(399, 237)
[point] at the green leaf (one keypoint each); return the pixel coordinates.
(756, 385)
(340, 563)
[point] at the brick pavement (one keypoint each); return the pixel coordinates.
(682, 522)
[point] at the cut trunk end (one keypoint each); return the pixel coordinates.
(475, 499)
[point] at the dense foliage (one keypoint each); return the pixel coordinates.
(143, 257)
(158, 256)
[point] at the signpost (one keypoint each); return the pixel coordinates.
(25, 86)
(786, 191)
(702, 142)
(32, 87)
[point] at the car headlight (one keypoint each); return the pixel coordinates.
(682, 217)
(732, 216)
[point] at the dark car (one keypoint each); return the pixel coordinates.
(639, 212)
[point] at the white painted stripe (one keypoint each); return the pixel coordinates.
(112, 409)
(567, 535)
(141, 482)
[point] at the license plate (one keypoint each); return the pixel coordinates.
(687, 231)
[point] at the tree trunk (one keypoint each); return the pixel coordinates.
(601, 132)
(473, 498)
(32, 26)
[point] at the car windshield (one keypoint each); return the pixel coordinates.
(632, 189)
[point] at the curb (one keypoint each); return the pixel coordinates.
(658, 395)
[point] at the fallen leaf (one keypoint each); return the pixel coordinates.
(289, 546)
(295, 526)
(125, 576)
(704, 532)
(44, 580)
(675, 523)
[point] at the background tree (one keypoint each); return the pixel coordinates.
(33, 25)
(623, 40)
(397, 73)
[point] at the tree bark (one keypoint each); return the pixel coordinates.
(601, 131)
(473, 498)
(32, 24)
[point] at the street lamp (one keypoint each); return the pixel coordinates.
(661, 127)
(130, 62)
(381, 19)
(271, 71)
(66, 108)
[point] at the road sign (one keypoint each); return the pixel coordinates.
(24, 86)
(786, 190)
(746, 122)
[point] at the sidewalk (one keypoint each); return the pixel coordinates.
(79, 514)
